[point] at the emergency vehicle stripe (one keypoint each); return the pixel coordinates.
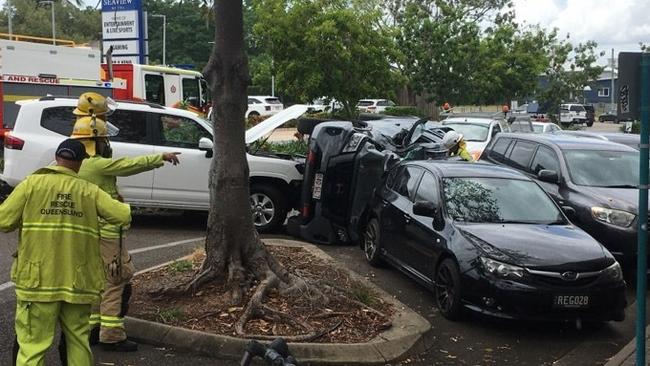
(55, 290)
(40, 226)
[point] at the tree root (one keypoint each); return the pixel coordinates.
(297, 338)
(255, 302)
(206, 275)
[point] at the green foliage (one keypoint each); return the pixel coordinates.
(180, 266)
(570, 69)
(326, 48)
(404, 111)
(72, 23)
(190, 31)
(572, 127)
(294, 147)
(170, 315)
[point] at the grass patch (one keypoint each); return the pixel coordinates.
(180, 266)
(363, 295)
(170, 315)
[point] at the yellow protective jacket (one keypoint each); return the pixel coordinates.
(462, 151)
(104, 172)
(58, 256)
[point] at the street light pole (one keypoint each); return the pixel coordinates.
(53, 24)
(164, 36)
(10, 13)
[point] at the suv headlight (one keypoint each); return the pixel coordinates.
(501, 270)
(614, 217)
(613, 273)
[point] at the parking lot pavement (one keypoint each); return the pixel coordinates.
(475, 340)
(604, 127)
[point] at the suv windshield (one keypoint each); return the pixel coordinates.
(602, 168)
(499, 200)
(471, 132)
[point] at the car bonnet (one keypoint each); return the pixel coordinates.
(265, 127)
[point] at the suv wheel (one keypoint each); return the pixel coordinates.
(371, 243)
(269, 207)
(253, 114)
(447, 289)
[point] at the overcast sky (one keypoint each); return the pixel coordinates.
(618, 24)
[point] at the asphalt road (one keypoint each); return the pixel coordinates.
(474, 341)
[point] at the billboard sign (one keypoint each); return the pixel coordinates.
(123, 27)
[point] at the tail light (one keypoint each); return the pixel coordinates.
(268, 107)
(13, 143)
(371, 108)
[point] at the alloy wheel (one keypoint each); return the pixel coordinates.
(370, 242)
(263, 209)
(445, 290)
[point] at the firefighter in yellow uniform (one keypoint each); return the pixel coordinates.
(456, 145)
(58, 267)
(103, 170)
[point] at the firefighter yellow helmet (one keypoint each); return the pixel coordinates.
(94, 104)
(87, 129)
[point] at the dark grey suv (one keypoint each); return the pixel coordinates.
(594, 181)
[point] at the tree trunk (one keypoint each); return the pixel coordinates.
(233, 248)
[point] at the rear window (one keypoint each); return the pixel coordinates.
(577, 108)
(365, 103)
(273, 100)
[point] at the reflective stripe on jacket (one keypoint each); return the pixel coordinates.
(462, 151)
(58, 255)
(104, 172)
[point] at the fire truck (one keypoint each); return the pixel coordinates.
(30, 70)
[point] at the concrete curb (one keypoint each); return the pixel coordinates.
(405, 335)
(626, 352)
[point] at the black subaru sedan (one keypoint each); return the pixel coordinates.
(489, 239)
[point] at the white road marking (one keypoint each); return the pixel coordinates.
(9, 285)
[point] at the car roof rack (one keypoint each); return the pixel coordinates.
(143, 102)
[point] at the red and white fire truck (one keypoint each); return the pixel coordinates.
(30, 70)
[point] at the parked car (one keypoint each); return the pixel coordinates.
(593, 179)
(324, 105)
(147, 128)
(546, 127)
(520, 123)
(263, 105)
(374, 105)
(609, 116)
(628, 139)
(344, 165)
(467, 232)
(573, 114)
(477, 129)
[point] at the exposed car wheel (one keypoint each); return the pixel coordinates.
(447, 290)
(269, 207)
(253, 114)
(371, 243)
(590, 123)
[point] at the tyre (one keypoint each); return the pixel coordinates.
(371, 244)
(447, 289)
(253, 114)
(590, 123)
(269, 207)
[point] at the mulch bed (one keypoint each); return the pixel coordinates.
(353, 314)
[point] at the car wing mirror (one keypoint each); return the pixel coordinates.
(424, 208)
(547, 175)
(205, 144)
(570, 212)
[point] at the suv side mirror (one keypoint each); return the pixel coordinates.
(550, 176)
(205, 144)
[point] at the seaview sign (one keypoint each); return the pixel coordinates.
(120, 5)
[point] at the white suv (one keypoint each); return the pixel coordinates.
(147, 128)
(374, 105)
(263, 105)
(573, 113)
